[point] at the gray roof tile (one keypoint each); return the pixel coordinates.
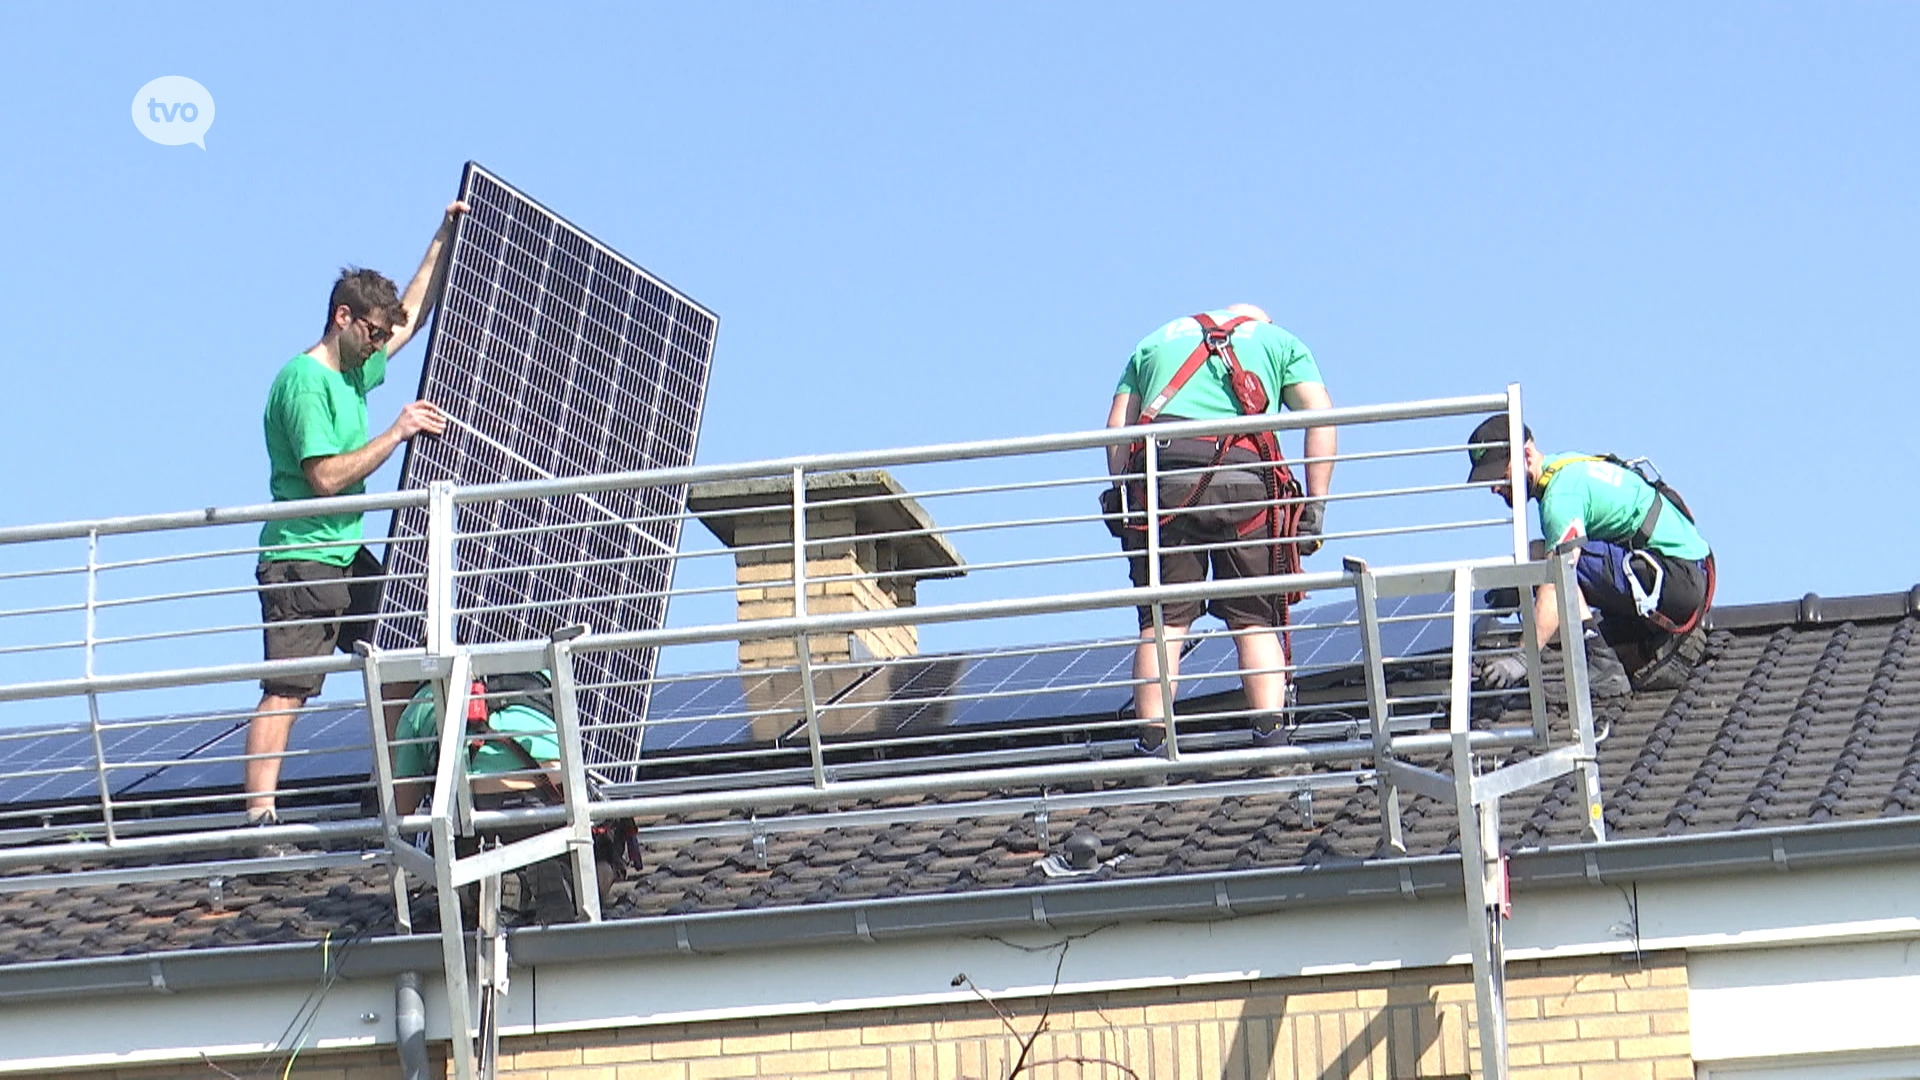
(1778, 725)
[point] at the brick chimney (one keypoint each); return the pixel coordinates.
(851, 517)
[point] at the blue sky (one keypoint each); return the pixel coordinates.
(1688, 231)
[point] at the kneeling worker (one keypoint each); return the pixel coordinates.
(1645, 574)
(513, 747)
(513, 758)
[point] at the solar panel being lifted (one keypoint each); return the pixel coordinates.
(555, 356)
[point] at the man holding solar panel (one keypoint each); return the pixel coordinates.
(319, 587)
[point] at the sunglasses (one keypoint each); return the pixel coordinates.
(379, 335)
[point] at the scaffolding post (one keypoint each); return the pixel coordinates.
(1366, 599)
(573, 772)
(1479, 844)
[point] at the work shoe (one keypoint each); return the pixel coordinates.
(271, 849)
(1273, 729)
(1606, 674)
(1673, 661)
(1152, 741)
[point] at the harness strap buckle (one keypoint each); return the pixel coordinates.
(1645, 601)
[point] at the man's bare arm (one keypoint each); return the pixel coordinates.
(423, 292)
(335, 473)
(1321, 442)
(1124, 413)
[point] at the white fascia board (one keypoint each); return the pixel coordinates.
(246, 1024)
(1794, 1002)
(1728, 912)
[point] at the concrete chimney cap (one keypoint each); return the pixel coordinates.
(882, 506)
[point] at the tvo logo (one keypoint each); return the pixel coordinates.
(174, 110)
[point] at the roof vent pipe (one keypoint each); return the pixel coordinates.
(1913, 600)
(1810, 609)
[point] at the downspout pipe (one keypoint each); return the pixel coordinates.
(410, 1026)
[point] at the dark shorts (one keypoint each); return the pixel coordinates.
(324, 607)
(1602, 572)
(1180, 566)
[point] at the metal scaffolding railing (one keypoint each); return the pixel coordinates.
(126, 654)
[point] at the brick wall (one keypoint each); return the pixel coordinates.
(834, 585)
(1588, 1018)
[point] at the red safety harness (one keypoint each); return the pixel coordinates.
(1279, 518)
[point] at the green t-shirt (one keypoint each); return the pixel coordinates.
(1607, 502)
(315, 411)
(1275, 357)
(528, 726)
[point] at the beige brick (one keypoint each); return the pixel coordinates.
(1668, 976)
(1453, 1039)
(685, 1049)
(1403, 1039)
(1120, 1016)
(1521, 1056)
(1539, 985)
(1550, 1072)
(793, 1063)
(1673, 1069)
(862, 1057)
(826, 1039)
(1285, 1057)
(545, 1059)
(1523, 1009)
(1615, 1026)
(1663, 999)
(616, 1053)
(1565, 1053)
(1326, 1001)
(1620, 1070)
(653, 1070)
(1542, 1031)
(1587, 1004)
(590, 1072)
(1186, 1043)
(954, 1029)
(1657, 1046)
(1673, 1023)
(1181, 1012)
(731, 1045)
(716, 1068)
(1208, 1038)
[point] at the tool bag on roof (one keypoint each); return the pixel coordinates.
(1203, 500)
(1647, 576)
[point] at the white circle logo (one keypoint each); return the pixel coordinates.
(174, 110)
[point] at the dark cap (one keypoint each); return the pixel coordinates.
(1490, 462)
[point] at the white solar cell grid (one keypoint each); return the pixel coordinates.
(556, 357)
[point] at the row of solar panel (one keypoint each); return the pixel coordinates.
(1058, 687)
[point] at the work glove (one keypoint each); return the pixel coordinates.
(1307, 532)
(1500, 673)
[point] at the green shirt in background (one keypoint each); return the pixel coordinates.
(1276, 357)
(315, 411)
(1602, 500)
(528, 726)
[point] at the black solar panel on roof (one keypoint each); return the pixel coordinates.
(155, 760)
(1012, 686)
(556, 357)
